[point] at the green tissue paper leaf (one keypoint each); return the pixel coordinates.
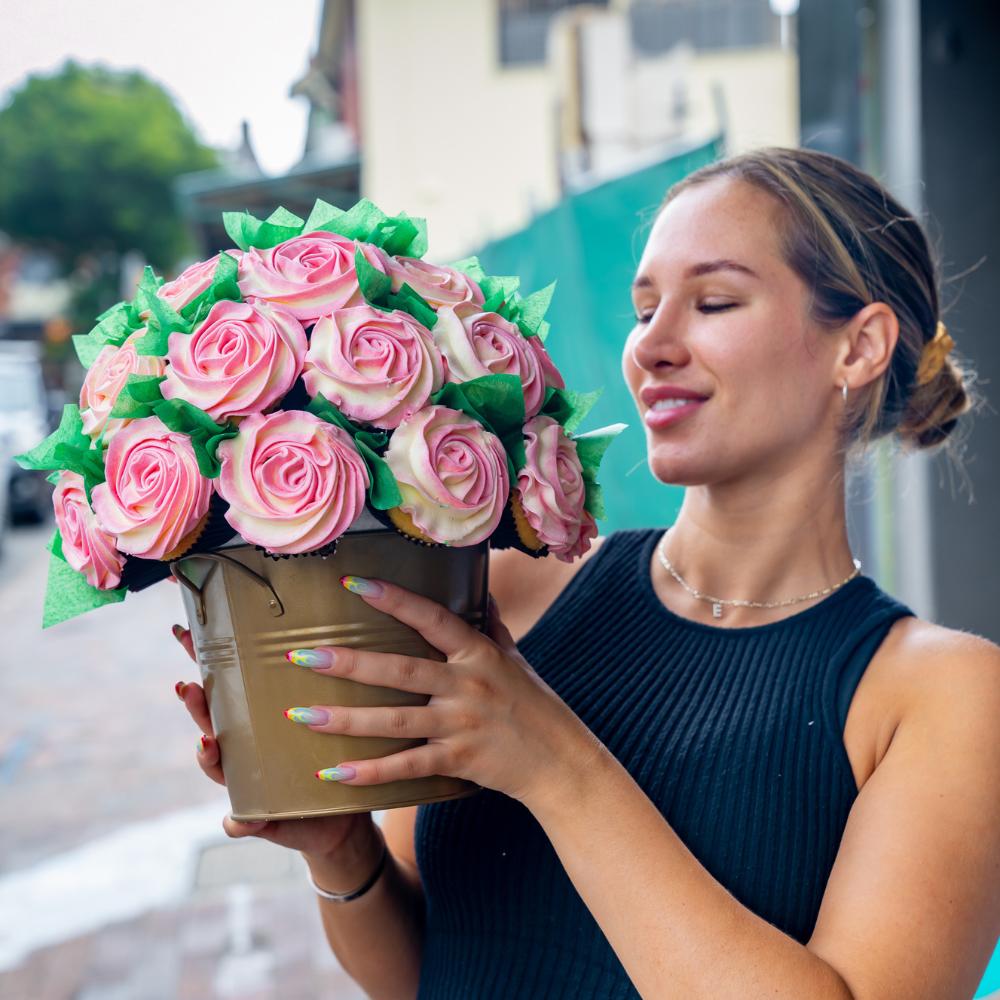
(55, 544)
(533, 308)
(113, 326)
(413, 303)
(279, 226)
(505, 284)
(67, 593)
(224, 287)
(241, 227)
(590, 449)
(375, 285)
(383, 491)
(569, 407)
(69, 432)
(322, 216)
(471, 267)
(138, 397)
(205, 434)
(163, 318)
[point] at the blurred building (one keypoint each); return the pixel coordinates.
(904, 88)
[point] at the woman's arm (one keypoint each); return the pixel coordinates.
(912, 907)
(378, 938)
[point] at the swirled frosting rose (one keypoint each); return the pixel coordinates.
(377, 367)
(452, 474)
(192, 281)
(552, 490)
(241, 359)
(85, 545)
(293, 482)
(475, 343)
(309, 275)
(104, 381)
(154, 496)
(437, 284)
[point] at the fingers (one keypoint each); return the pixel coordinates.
(207, 752)
(367, 666)
(414, 722)
(442, 628)
(418, 762)
(183, 636)
(237, 828)
(193, 696)
(496, 629)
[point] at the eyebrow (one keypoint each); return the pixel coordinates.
(704, 267)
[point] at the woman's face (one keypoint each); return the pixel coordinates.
(737, 336)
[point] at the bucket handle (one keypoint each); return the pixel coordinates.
(274, 604)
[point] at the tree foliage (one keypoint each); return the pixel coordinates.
(87, 160)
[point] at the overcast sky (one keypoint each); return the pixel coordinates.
(222, 60)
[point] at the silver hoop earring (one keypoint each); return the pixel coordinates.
(844, 388)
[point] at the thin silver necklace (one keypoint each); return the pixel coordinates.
(718, 602)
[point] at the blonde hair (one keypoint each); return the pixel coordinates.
(852, 243)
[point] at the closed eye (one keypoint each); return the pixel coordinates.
(704, 307)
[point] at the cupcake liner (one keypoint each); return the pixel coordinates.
(403, 524)
(326, 550)
(508, 534)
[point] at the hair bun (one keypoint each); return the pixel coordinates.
(934, 407)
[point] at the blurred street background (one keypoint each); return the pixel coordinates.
(539, 134)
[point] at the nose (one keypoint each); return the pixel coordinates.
(657, 344)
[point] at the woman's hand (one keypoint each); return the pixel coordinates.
(319, 838)
(490, 719)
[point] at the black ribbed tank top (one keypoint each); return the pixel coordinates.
(734, 733)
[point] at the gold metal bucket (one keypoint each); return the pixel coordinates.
(246, 610)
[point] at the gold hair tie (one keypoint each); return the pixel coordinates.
(933, 354)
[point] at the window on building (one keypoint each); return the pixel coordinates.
(524, 27)
(658, 25)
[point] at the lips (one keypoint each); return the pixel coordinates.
(651, 393)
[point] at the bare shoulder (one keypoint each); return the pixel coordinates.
(524, 587)
(923, 835)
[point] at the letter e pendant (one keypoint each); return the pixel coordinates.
(716, 610)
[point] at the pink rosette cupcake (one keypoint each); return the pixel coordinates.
(87, 547)
(437, 284)
(377, 367)
(309, 275)
(452, 474)
(155, 500)
(293, 482)
(241, 359)
(548, 503)
(104, 381)
(192, 281)
(475, 343)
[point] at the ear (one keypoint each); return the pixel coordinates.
(867, 349)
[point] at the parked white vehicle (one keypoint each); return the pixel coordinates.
(24, 421)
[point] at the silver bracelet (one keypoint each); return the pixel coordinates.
(343, 897)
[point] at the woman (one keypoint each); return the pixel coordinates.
(716, 760)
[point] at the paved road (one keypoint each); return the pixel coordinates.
(116, 880)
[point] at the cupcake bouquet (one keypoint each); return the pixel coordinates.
(317, 370)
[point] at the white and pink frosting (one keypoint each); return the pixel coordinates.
(437, 284)
(104, 382)
(293, 482)
(87, 547)
(552, 490)
(154, 495)
(477, 343)
(452, 474)
(192, 281)
(377, 367)
(309, 275)
(241, 359)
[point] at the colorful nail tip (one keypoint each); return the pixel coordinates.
(359, 585)
(308, 657)
(336, 773)
(308, 716)
(179, 688)
(178, 630)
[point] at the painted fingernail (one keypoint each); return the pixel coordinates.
(307, 716)
(180, 687)
(343, 773)
(310, 657)
(178, 631)
(359, 585)
(202, 745)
